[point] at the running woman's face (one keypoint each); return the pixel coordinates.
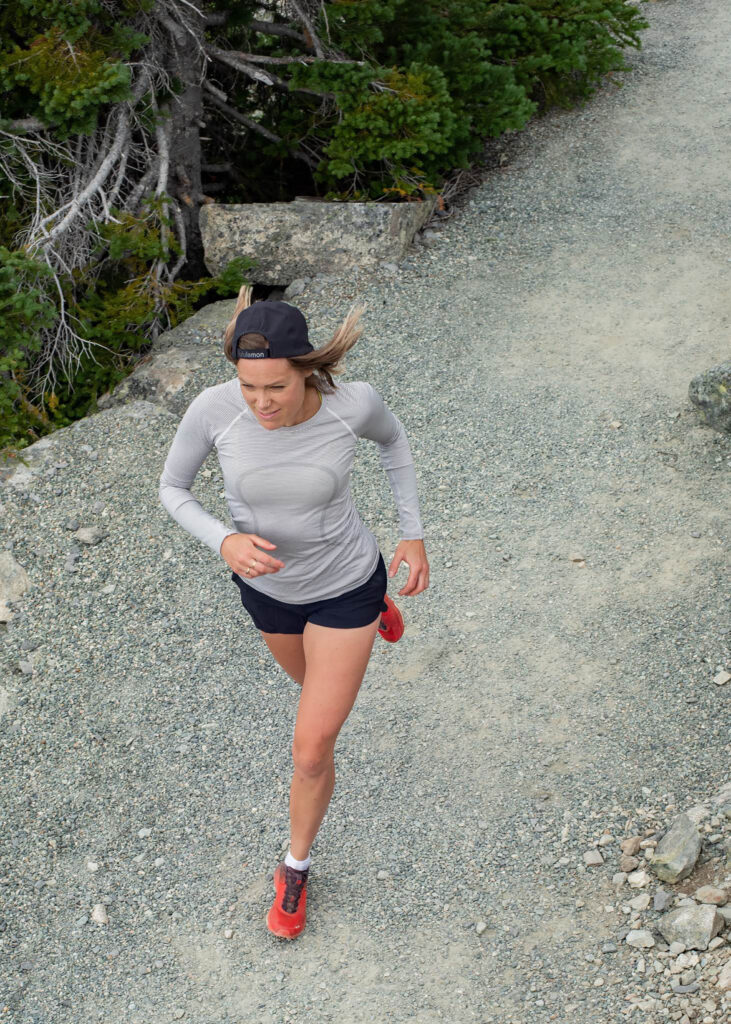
(275, 391)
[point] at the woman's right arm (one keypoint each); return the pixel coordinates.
(191, 446)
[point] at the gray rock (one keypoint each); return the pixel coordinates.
(13, 583)
(711, 894)
(295, 288)
(710, 393)
(677, 851)
(724, 978)
(693, 926)
(640, 938)
(90, 535)
(158, 378)
(661, 900)
(686, 989)
(308, 237)
(71, 524)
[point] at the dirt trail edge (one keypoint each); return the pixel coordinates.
(554, 686)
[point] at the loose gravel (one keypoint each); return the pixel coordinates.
(555, 684)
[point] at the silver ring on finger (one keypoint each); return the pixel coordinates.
(253, 563)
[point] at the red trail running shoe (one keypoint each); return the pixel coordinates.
(286, 917)
(392, 623)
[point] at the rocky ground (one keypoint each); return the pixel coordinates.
(558, 702)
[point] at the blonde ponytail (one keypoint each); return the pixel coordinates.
(243, 301)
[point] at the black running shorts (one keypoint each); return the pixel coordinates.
(355, 608)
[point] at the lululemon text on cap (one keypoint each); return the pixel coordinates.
(284, 326)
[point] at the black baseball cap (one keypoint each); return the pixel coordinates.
(284, 327)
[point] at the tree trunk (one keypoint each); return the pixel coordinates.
(185, 145)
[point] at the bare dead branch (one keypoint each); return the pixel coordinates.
(267, 78)
(256, 58)
(26, 124)
(316, 44)
(174, 28)
(214, 96)
(272, 28)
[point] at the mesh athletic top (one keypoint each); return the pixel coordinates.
(291, 485)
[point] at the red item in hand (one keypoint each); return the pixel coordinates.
(392, 623)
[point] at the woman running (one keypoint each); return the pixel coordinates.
(310, 573)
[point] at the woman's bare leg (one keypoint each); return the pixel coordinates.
(335, 664)
(288, 652)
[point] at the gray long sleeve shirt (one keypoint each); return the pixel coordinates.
(291, 485)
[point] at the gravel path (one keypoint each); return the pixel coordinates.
(539, 353)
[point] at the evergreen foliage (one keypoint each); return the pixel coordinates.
(103, 166)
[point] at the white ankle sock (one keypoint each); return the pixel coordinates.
(298, 865)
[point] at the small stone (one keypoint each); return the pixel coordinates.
(640, 938)
(592, 858)
(26, 667)
(722, 678)
(481, 927)
(661, 900)
(711, 894)
(145, 833)
(71, 524)
(99, 914)
(605, 840)
(295, 288)
(92, 865)
(619, 878)
(641, 902)
(631, 845)
(90, 535)
(724, 978)
(609, 947)
(382, 875)
(228, 933)
(716, 943)
(628, 864)
(638, 879)
(178, 1013)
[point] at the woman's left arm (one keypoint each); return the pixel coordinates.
(413, 553)
(380, 425)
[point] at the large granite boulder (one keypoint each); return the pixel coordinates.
(710, 393)
(308, 237)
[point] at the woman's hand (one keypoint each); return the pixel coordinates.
(413, 553)
(242, 552)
